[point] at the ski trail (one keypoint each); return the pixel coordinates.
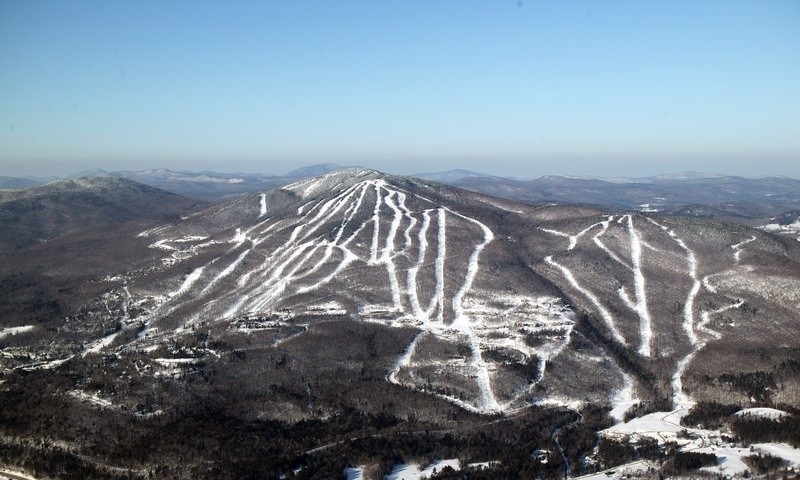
(555, 232)
(607, 318)
(706, 317)
(405, 359)
(737, 249)
(679, 398)
(413, 295)
(462, 321)
(472, 270)
(645, 322)
(263, 205)
(187, 284)
(707, 284)
(573, 239)
(623, 294)
(349, 257)
(604, 247)
(688, 309)
(348, 217)
(327, 211)
(376, 221)
(100, 344)
(623, 400)
(438, 297)
(127, 301)
(388, 250)
(412, 221)
(227, 271)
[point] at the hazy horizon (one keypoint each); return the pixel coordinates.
(65, 172)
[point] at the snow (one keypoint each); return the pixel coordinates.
(658, 425)
(440, 257)
(461, 321)
(187, 284)
(176, 361)
(404, 359)
(787, 452)
(93, 399)
(635, 469)
(413, 472)
(413, 295)
(482, 465)
(623, 399)
(792, 228)
(263, 203)
(227, 271)
(376, 222)
(770, 413)
(15, 330)
(101, 344)
(645, 328)
(607, 318)
(599, 243)
(679, 397)
(729, 459)
(356, 473)
(665, 427)
(737, 248)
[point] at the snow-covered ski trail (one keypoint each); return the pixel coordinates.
(462, 321)
(737, 248)
(608, 319)
(263, 204)
(387, 256)
(573, 239)
(413, 294)
(405, 359)
(688, 309)
(645, 322)
(604, 247)
(438, 298)
(679, 398)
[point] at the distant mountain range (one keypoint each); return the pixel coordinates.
(748, 201)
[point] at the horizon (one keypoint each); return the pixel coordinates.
(530, 88)
(95, 171)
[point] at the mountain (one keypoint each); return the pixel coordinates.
(15, 183)
(213, 186)
(450, 175)
(357, 318)
(749, 198)
(313, 170)
(33, 215)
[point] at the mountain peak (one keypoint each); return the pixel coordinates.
(314, 170)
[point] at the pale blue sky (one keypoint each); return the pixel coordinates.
(526, 89)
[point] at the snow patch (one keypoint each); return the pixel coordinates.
(770, 413)
(413, 471)
(15, 330)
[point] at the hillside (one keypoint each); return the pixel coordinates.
(33, 215)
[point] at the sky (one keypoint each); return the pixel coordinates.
(520, 88)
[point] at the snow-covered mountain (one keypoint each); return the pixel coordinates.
(297, 302)
(33, 215)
